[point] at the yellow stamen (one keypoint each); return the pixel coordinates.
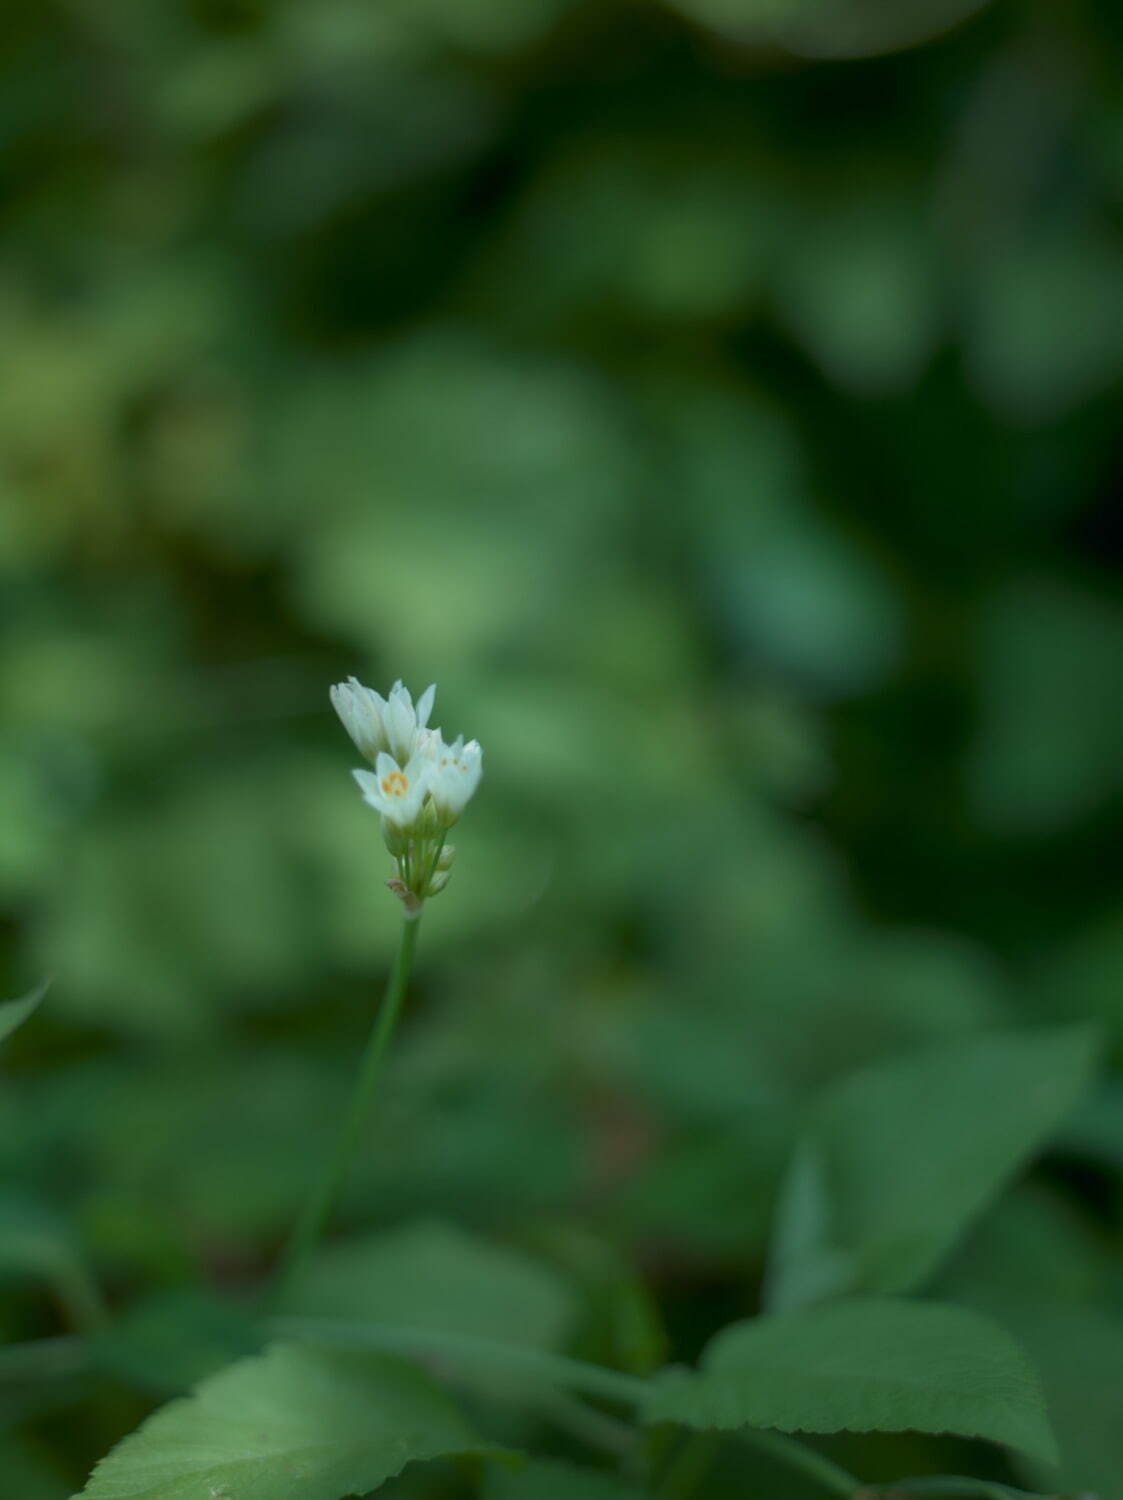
(394, 784)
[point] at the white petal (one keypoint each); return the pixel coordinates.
(425, 705)
(372, 792)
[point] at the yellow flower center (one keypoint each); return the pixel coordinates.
(394, 784)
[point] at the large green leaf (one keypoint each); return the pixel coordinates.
(435, 1276)
(291, 1424)
(14, 1013)
(901, 1157)
(864, 1364)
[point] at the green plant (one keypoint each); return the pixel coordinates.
(351, 1355)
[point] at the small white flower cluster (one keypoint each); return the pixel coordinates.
(419, 784)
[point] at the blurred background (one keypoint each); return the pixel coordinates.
(719, 399)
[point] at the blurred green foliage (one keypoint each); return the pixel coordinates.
(719, 398)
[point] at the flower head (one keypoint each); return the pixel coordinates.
(419, 785)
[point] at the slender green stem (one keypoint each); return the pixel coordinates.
(797, 1455)
(461, 1350)
(690, 1465)
(310, 1225)
(586, 1423)
(78, 1292)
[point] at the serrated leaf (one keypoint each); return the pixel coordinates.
(14, 1013)
(291, 1424)
(864, 1364)
(435, 1276)
(900, 1158)
(550, 1480)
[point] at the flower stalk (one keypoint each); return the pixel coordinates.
(419, 787)
(312, 1222)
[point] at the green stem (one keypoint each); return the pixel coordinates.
(464, 1350)
(797, 1455)
(586, 1423)
(690, 1465)
(310, 1225)
(78, 1292)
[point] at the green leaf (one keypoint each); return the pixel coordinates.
(860, 1365)
(168, 1342)
(291, 1424)
(556, 1481)
(434, 1276)
(1080, 1354)
(900, 1158)
(14, 1013)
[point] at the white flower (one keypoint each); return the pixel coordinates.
(397, 792)
(404, 721)
(419, 785)
(363, 713)
(454, 775)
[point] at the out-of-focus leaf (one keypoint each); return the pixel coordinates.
(437, 1277)
(1047, 326)
(1085, 977)
(1079, 1352)
(1049, 745)
(622, 1318)
(793, 593)
(36, 1245)
(899, 1159)
(864, 1364)
(684, 235)
(831, 28)
(1096, 1130)
(539, 442)
(486, 26)
(14, 1013)
(699, 1196)
(1030, 1248)
(169, 1342)
(859, 290)
(292, 1424)
(556, 1481)
(183, 1158)
(29, 1473)
(1036, 1265)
